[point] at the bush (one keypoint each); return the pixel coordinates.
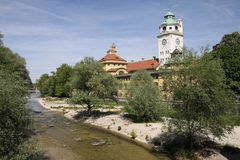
(144, 100)
(119, 128)
(133, 134)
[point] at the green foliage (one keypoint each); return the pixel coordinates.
(57, 84)
(15, 123)
(201, 100)
(91, 83)
(26, 151)
(63, 76)
(133, 134)
(12, 62)
(143, 96)
(228, 51)
(84, 98)
(42, 84)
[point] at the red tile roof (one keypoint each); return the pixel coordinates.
(146, 64)
(112, 57)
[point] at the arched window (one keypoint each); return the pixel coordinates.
(164, 28)
(120, 72)
(176, 27)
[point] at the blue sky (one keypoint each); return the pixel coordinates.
(48, 33)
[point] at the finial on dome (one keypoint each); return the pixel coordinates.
(113, 45)
(112, 49)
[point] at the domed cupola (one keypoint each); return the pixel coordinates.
(169, 18)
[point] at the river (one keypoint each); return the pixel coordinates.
(64, 139)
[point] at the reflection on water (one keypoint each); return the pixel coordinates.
(69, 140)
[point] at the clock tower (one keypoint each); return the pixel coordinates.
(170, 39)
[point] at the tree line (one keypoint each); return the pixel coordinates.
(15, 122)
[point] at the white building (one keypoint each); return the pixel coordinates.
(170, 39)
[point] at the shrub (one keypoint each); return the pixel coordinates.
(133, 134)
(144, 100)
(119, 128)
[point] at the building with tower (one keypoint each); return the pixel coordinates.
(170, 39)
(117, 66)
(170, 43)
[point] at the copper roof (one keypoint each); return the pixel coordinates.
(146, 64)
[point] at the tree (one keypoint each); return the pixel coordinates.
(14, 122)
(42, 84)
(91, 83)
(143, 96)
(201, 99)
(63, 76)
(228, 50)
(14, 63)
(57, 84)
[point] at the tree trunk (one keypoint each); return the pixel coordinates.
(89, 109)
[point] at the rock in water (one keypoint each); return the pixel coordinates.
(100, 142)
(78, 139)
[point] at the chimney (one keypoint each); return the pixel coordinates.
(157, 59)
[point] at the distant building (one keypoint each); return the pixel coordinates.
(116, 65)
(113, 63)
(170, 43)
(170, 39)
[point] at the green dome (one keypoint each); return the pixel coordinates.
(169, 18)
(169, 14)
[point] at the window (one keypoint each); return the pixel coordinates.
(164, 28)
(170, 28)
(176, 27)
(120, 72)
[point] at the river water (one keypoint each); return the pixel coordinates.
(63, 139)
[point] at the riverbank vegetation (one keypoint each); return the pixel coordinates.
(199, 92)
(91, 84)
(15, 121)
(145, 103)
(201, 100)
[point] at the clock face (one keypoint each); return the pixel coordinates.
(164, 42)
(177, 41)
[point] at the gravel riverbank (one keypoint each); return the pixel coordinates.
(117, 123)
